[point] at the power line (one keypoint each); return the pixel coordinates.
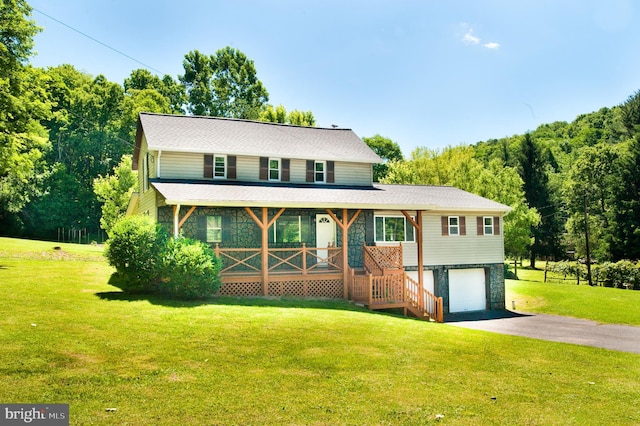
(99, 42)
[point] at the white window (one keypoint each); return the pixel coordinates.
(393, 228)
(215, 166)
(214, 229)
(290, 229)
(219, 167)
(454, 225)
(319, 171)
(274, 169)
(488, 225)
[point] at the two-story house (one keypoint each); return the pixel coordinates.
(294, 211)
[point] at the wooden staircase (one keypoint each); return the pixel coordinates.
(384, 284)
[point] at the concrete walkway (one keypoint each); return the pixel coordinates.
(555, 328)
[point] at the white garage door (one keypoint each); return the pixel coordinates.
(467, 291)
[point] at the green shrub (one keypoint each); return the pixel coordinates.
(566, 269)
(191, 270)
(148, 260)
(135, 248)
(621, 274)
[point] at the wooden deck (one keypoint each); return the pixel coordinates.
(319, 272)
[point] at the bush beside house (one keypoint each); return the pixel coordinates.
(147, 260)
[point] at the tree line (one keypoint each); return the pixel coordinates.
(66, 138)
(64, 134)
(574, 187)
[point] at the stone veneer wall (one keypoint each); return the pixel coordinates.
(240, 231)
(494, 277)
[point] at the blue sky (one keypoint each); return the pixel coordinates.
(423, 73)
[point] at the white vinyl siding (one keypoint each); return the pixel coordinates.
(184, 165)
(353, 173)
(464, 249)
(147, 202)
(178, 165)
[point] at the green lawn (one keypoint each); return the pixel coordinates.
(602, 304)
(69, 337)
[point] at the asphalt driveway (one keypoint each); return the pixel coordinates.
(555, 328)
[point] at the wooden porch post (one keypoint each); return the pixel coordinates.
(176, 221)
(417, 225)
(264, 225)
(186, 216)
(344, 225)
(265, 251)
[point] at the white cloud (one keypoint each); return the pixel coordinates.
(470, 38)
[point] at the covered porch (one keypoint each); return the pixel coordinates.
(380, 283)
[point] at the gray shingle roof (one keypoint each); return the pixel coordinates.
(242, 137)
(381, 197)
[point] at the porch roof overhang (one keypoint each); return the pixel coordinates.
(375, 197)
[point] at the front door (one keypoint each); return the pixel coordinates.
(325, 235)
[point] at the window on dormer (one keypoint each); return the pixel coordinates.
(220, 166)
(319, 171)
(274, 169)
(215, 166)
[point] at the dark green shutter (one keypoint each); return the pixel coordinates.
(208, 166)
(231, 166)
(264, 168)
(202, 228)
(310, 171)
(330, 172)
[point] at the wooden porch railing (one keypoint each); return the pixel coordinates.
(295, 259)
(396, 290)
(382, 260)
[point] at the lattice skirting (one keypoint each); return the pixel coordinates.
(331, 288)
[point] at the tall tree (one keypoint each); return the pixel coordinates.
(23, 141)
(114, 191)
(458, 167)
(625, 238)
(279, 114)
(532, 170)
(142, 79)
(84, 129)
(631, 113)
(224, 84)
(197, 82)
(237, 92)
(301, 118)
(387, 150)
(589, 189)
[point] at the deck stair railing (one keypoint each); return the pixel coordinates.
(384, 284)
(394, 291)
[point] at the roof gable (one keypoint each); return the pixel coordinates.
(182, 133)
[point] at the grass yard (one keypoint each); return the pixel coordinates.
(602, 304)
(69, 337)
